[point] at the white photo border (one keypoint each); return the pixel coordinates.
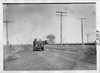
(49, 1)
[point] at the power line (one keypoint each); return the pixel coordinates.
(82, 31)
(61, 24)
(7, 30)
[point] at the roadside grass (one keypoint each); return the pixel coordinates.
(89, 51)
(90, 55)
(11, 52)
(70, 48)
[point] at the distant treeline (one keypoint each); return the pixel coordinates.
(74, 44)
(62, 44)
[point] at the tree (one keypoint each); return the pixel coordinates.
(50, 38)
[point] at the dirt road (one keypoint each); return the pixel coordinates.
(48, 60)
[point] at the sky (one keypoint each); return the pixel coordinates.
(40, 20)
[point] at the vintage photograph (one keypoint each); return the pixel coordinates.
(49, 36)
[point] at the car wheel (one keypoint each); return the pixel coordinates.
(34, 49)
(43, 48)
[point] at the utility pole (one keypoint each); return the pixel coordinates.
(36, 36)
(31, 41)
(7, 30)
(67, 45)
(82, 31)
(43, 37)
(61, 24)
(17, 40)
(87, 38)
(63, 40)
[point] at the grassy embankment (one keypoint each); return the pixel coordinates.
(11, 51)
(89, 51)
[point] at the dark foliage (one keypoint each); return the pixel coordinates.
(91, 51)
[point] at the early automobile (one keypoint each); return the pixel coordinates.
(39, 44)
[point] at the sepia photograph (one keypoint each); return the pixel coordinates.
(49, 36)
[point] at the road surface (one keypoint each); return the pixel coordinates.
(48, 60)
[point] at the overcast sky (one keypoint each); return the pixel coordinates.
(41, 20)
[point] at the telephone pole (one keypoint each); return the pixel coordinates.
(17, 40)
(61, 24)
(43, 37)
(7, 30)
(87, 38)
(82, 31)
(36, 36)
(31, 41)
(63, 40)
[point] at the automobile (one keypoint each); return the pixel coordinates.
(39, 44)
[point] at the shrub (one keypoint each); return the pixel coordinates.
(90, 55)
(91, 51)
